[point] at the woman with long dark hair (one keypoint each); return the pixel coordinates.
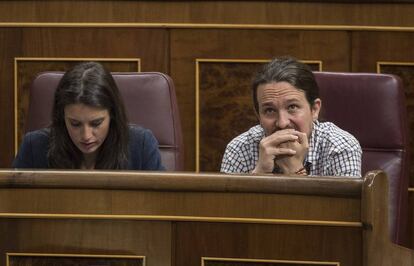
(89, 128)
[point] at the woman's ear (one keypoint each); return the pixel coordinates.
(316, 108)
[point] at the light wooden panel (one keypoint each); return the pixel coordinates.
(150, 45)
(230, 242)
(187, 206)
(29, 227)
(87, 237)
(368, 48)
(154, 215)
(248, 12)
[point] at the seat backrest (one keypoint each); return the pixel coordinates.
(372, 108)
(150, 102)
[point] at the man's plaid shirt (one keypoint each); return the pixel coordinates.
(332, 151)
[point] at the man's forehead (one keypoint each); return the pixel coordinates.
(278, 90)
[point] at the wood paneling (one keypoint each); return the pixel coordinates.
(248, 12)
(243, 44)
(258, 262)
(173, 48)
(369, 48)
(225, 106)
(21, 259)
(10, 45)
(406, 73)
(150, 46)
(124, 213)
(87, 237)
(270, 242)
(411, 219)
(110, 222)
(181, 195)
(188, 204)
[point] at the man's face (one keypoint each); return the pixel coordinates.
(282, 106)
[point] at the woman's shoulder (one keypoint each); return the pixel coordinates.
(135, 129)
(33, 151)
(143, 149)
(141, 136)
(37, 136)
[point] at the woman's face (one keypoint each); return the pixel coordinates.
(87, 126)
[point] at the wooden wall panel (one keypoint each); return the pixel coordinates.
(248, 12)
(253, 32)
(23, 259)
(395, 48)
(230, 242)
(10, 45)
(406, 73)
(225, 106)
(369, 48)
(150, 45)
(189, 45)
(411, 219)
(150, 239)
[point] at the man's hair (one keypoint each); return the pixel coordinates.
(289, 70)
(92, 85)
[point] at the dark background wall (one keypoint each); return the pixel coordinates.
(203, 46)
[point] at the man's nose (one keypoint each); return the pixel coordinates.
(283, 120)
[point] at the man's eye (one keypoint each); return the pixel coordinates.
(292, 107)
(269, 111)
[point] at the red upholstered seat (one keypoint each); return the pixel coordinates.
(372, 108)
(149, 99)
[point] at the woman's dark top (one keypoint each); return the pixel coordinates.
(143, 150)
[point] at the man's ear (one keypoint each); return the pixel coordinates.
(316, 108)
(256, 113)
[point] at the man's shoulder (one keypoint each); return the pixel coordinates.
(328, 131)
(250, 137)
(242, 152)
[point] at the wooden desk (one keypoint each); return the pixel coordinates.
(143, 218)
